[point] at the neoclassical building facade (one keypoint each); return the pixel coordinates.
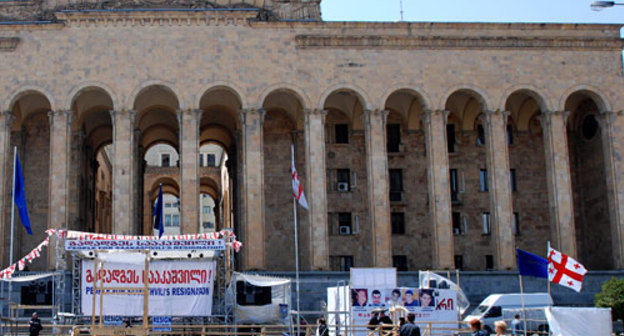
(419, 145)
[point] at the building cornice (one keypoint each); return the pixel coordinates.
(456, 42)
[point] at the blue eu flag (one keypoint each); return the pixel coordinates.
(158, 213)
(531, 264)
(20, 196)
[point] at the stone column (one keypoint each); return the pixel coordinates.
(317, 190)
(560, 201)
(189, 170)
(378, 186)
(123, 177)
(60, 126)
(137, 192)
(6, 173)
(434, 123)
(611, 128)
(501, 207)
(253, 188)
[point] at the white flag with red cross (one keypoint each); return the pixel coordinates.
(564, 270)
(296, 184)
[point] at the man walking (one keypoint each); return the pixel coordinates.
(35, 325)
(409, 328)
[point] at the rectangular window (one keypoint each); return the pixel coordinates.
(489, 262)
(457, 227)
(341, 133)
(165, 160)
(512, 180)
(400, 263)
(480, 135)
(454, 185)
(176, 220)
(344, 223)
(396, 185)
(516, 224)
(450, 137)
(208, 225)
(168, 205)
(484, 179)
(211, 160)
(201, 160)
(485, 219)
(346, 262)
(510, 138)
(393, 135)
(206, 210)
(167, 220)
(398, 222)
(343, 179)
(459, 262)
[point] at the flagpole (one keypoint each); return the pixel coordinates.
(548, 278)
(12, 221)
(523, 308)
(292, 151)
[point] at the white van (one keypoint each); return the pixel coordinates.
(490, 310)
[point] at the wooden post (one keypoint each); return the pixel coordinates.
(95, 277)
(146, 293)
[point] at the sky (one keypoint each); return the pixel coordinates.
(547, 11)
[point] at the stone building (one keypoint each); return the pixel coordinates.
(419, 145)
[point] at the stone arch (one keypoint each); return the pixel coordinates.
(146, 85)
(418, 92)
(357, 91)
(27, 90)
(26, 103)
(470, 89)
(544, 102)
(409, 104)
(523, 104)
(288, 102)
(591, 91)
(225, 85)
(170, 186)
(351, 103)
(88, 86)
(210, 187)
(218, 99)
(466, 104)
(288, 88)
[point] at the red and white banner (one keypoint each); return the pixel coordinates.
(177, 288)
(564, 270)
(296, 184)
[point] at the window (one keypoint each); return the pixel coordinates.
(396, 185)
(459, 262)
(168, 220)
(516, 224)
(450, 137)
(341, 133)
(175, 220)
(344, 223)
(399, 262)
(398, 222)
(512, 180)
(393, 135)
(201, 160)
(168, 205)
(343, 179)
(489, 262)
(211, 160)
(480, 135)
(346, 262)
(208, 225)
(487, 228)
(206, 210)
(454, 188)
(165, 160)
(457, 229)
(484, 179)
(510, 138)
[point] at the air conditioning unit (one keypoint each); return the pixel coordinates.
(344, 230)
(343, 186)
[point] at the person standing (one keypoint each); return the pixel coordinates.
(409, 328)
(500, 327)
(34, 325)
(475, 328)
(517, 327)
(322, 327)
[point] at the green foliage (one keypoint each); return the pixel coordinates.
(612, 295)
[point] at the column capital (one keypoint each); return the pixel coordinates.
(428, 113)
(130, 114)
(606, 118)
(54, 114)
(194, 113)
(9, 118)
(546, 116)
(488, 115)
(368, 114)
(308, 113)
(245, 114)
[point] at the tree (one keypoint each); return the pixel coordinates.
(612, 296)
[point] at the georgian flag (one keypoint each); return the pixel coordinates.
(296, 184)
(564, 270)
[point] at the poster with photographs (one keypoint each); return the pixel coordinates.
(428, 305)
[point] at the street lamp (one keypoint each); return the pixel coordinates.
(600, 5)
